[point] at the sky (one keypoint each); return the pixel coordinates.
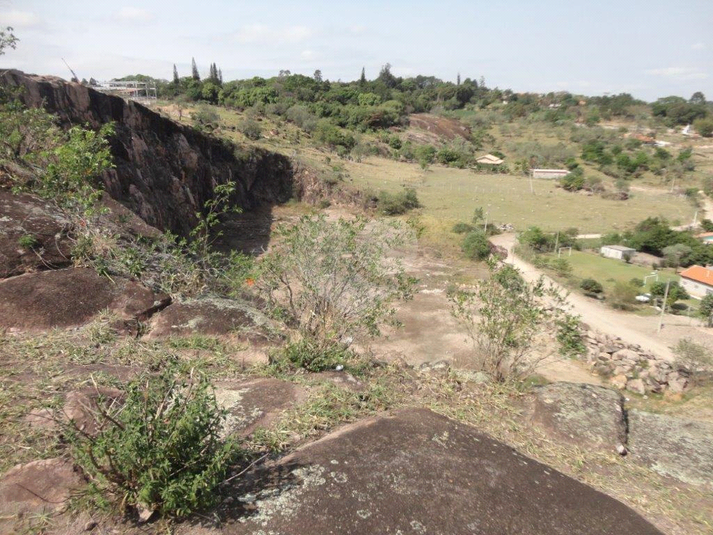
(649, 48)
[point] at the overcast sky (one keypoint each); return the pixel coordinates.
(650, 48)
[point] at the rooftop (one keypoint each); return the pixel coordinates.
(621, 248)
(699, 274)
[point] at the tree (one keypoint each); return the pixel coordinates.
(176, 79)
(458, 79)
(194, 70)
(591, 286)
(676, 292)
(362, 79)
(677, 254)
(476, 246)
(623, 296)
(704, 126)
(502, 317)
(697, 98)
(220, 76)
(705, 309)
(7, 40)
(333, 281)
(317, 76)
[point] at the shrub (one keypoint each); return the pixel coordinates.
(206, 117)
(502, 316)
(637, 282)
(561, 266)
(162, 449)
(591, 286)
(623, 296)
(476, 246)
(333, 280)
(704, 126)
(569, 336)
(397, 203)
(27, 241)
(250, 129)
(693, 358)
(313, 357)
(462, 228)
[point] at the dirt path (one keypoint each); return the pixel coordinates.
(633, 329)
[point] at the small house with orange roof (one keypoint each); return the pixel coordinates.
(697, 281)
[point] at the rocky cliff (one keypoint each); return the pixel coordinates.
(165, 171)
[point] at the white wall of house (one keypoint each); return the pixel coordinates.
(617, 254)
(695, 288)
(549, 173)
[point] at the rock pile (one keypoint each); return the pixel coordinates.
(629, 367)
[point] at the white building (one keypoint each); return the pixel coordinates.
(617, 252)
(549, 173)
(697, 281)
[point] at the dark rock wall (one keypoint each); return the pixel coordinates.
(165, 171)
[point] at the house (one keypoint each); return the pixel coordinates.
(618, 252)
(489, 159)
(706, 237)
(549, 173)
(697, 281)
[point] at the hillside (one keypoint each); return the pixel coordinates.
(333, 378)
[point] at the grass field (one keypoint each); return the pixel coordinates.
(451, 195)
(608, 271)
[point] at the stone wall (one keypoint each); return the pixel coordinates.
(632, 368)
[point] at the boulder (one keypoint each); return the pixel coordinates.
(619, 381)
(673, 446)
(212, 316)
(33, 235)
(71, 298)
(417, 472)
(586, 415)
(626, 354)
(252, 404)
(37, 487)
(636, 385)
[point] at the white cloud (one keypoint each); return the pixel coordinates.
(260, 33)
(19, 19)
(133, 15)
(679, 73)
(698, 46)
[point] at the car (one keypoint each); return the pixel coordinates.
(643, 298)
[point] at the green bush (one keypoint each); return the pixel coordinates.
(162, 449)
(476, 246)
(312, 356)
(250, 129)
(591, 286)
(398, 203)
(462, 228)
(569, 336)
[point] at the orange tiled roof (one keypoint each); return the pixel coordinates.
(699, 274)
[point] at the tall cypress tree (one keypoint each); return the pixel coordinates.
(362, 80)
(220, 76)
(175, 75)
(458, 79)
(194, 70)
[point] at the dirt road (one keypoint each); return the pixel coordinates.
(598, 316)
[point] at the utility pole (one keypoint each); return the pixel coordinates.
(557, 241)
(663, 306)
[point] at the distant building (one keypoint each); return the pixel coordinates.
(706, 237)
(617, 252)
(697, 281)
(549, 173)
(489, 159)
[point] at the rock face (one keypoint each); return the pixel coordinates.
(211, 317)
(33, 235)
(165, 171)
(36, 487)
(420, 473)
(587, 415)
(252, 404)
(70, 298)
(673, 446)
